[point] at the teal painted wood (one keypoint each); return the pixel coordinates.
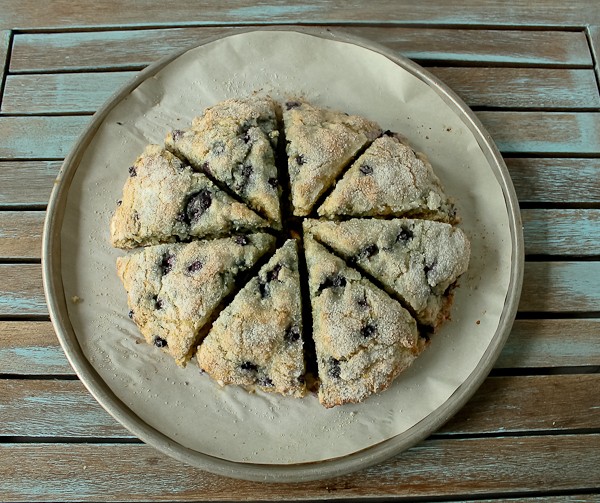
(27, 183)
(555, 180)
(493, 87)
(21, 292)
(137, 48)
(523, 87)
(443, 467)
(573, 232)
(551, 343)
(61, 93)
(31, 348)
(21, 235)
(561, 287)
(594, 38)
(68, 411)
(39, 137)
(51, 137)
(502, 405)
(544, 132)
(29, 14)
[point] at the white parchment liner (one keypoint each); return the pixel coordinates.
(228, 422)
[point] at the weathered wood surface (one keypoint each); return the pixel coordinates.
(570, 232)
(4, 48)
(27, 184)
(134, 49)
(513, 88)
(555, 180)
(594, 38)
(563, 133)
(66, 14)
(536, 180)
(502, 405)
(32, 349)
(552, 287)
(474, 466)
(21, 234)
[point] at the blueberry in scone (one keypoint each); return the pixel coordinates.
(363, 337)
(257, 340)
(416, 260)
(320, 144)
(165, 201)
(173, 289)
(389, 179)
(233, 143)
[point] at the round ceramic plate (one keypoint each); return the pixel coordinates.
(262, 436)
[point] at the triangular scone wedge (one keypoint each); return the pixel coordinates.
(416, 260)
(173, 289)
(257, 339)
(164, 200)
(233, 142)
(389, 179)
(363, 337)
(320, 144)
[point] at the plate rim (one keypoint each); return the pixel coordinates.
(300, 472)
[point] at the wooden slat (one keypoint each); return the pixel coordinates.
(31, 348)
(60, 93)
(528, 132)
(39, 137)
(4, 45)
(27, 183)
(537, 180)
(543, 132)
(492, 87)
(522, 87)
(551, 343)
(63, 13)
(480, 466)
(21, 234)
(548, 286)
(502, 405)
(573, 232)
(594, 36)
(137, 48)
(555, 180)
(561, 232)
(561, 287)
(21, 292)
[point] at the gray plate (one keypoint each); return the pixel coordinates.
(51, 262)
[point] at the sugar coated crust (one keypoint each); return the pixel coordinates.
(257, 340)
(320, 143)
(173, 289)
(164, 200)
(389, 179)
(417, 260)
(363, 337)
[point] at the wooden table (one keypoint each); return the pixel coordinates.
(532, 432)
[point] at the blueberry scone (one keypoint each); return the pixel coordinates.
(363, 337)
(320, 144)
(389, 179)
(233, 143)
(164, 200)
(257, 340)
(416, 260)
(173, 289)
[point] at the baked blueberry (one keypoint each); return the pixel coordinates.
(159, 342)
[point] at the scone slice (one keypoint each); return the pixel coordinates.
(173, 289)
(164, 200)
(257, 340)
(416, 260)
(320, 144)
(233, 143)
(363, 337)
(389, 179)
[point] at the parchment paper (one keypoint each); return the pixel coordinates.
(262, 428)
